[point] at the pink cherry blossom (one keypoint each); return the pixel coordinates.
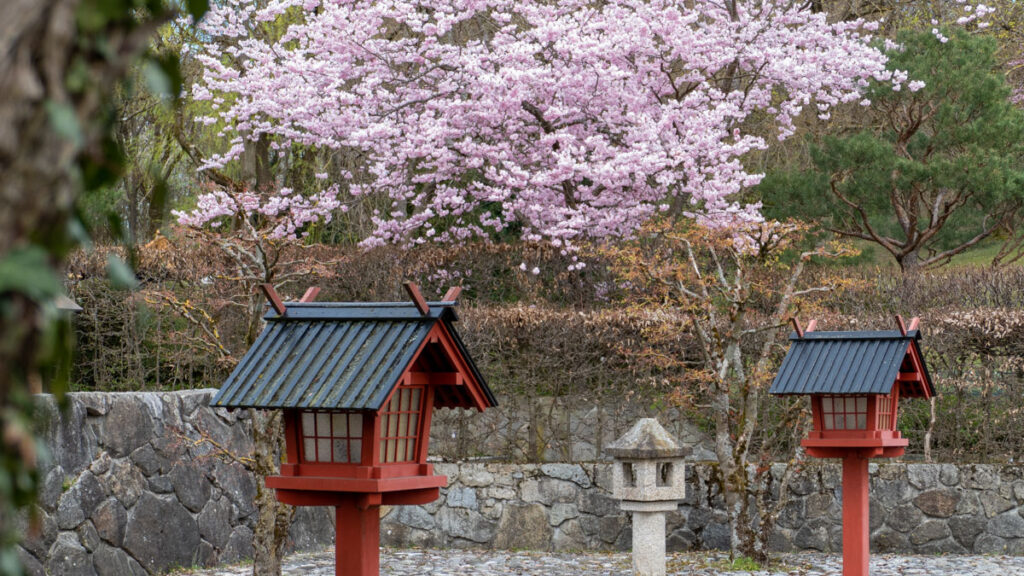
(568, 119)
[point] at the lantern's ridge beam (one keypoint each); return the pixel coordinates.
(858, 335)
(800, 331)
(274, 299)
(417, 298)
(310, 294)
(452, 295)
(796, 326)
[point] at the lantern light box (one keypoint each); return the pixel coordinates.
(357, 383)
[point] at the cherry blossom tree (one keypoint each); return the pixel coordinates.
(563, 120)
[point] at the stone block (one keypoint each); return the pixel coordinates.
(129, 425)
(571, 472)
(475, 476)
(812, 537)
(238, 485)
(146, 460)
(125, 482)
(462, 497)
(206, 555)
(500, 493)
(412, 516)
(889, 541)
(979, 476)
(449, 470)
(819, 505)
(51, 489)
(994, 504)
(904, 518)
(780, 540)
(889, 491)
(169, 451)
(101, 464)
(69, 511)
(1009, 525)
(990, 544)
(792, 514)
(232, 438)
(561, 512)
(214, 522)
(716, 536)
(110, 519)
(928, 531)
(938, 503)
(568, 537)
(876, 514)
(160, 484)
(524, 527)
(923, 476)
(192, 400)
(88, 536)
(602, 529)
(90, 493)
(965, 529)
(239, 546)
(161, 534)
(68, 558)
(312, 527)
(94, 403)
(71, 441)
(399, 535)
(598, 503)
(190, 485)
(30, 564)
(39, 540)
(548, 491)
(949, 474)
(466, 524)
(803, 484)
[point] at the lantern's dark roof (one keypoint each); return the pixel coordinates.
(864, 362)
(336, 356)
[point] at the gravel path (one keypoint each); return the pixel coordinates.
(416, 562)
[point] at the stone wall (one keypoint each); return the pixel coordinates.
(915, 508)
(135, 485)
(138, 484)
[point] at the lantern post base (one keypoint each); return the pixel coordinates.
(357, 539)
(856, 531)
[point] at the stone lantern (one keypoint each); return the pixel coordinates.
(648, 477)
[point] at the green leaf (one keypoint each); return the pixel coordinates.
(64, 121)
(156, 79)
(120, 274)
(27, 271)
(163, 76)
(197, 8)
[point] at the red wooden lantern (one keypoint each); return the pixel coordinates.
(358, 384)
(856, 381)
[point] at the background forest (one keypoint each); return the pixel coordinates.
(907, 249)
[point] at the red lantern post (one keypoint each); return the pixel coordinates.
(358, 384)
(856, 381)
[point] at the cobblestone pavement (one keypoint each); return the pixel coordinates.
(416, 562)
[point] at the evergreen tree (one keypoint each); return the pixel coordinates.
(935, 166)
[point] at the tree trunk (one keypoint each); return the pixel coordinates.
(909, 262)
(271, 533)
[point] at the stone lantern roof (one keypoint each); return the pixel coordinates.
(646, 440)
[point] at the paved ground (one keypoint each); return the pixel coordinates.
(501, 563)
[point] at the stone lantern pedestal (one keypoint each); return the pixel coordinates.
(649, 479)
